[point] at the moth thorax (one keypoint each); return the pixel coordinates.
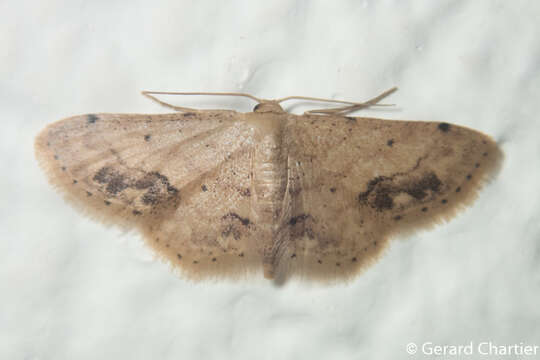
(269, 179)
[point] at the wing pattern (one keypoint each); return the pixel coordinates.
(182, 179)
(360, 180)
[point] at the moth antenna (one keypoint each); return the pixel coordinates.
(184, 109)
(345, 109)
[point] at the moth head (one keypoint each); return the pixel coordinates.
(267, 106)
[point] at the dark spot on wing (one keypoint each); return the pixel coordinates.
(381, 199)
(390, 142)
(230, 229)
(297, 219)
(397, 217)
(151, 197)
(458, 189)
(91, 118)
(157, 186)
(241, 254)
(204, 188)
(165, 181)
(444, 201)
(319, 261)
(179, 256)
(147, 137)
(107, 202)
(444, 127)
(332, 189)
(354, 259)
(171, 190)
(63, 168)
(116, 185)
(75, 181)
(214, 259)
(469, 176)
(189, 114)
(115, 181)
(233, 215)
(104, 175)
(293, 256)
(88, 193)
(145, 182)
(245, 192)
(136, 212)
(382, 189)
(418, 189)
(294, 191)
(424, 209)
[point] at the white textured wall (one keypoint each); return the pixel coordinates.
(72, 289)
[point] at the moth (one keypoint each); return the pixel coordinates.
(220, 193)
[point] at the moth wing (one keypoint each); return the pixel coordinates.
(354, 182)
(179, 178)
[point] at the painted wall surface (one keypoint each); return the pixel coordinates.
(73, 289)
